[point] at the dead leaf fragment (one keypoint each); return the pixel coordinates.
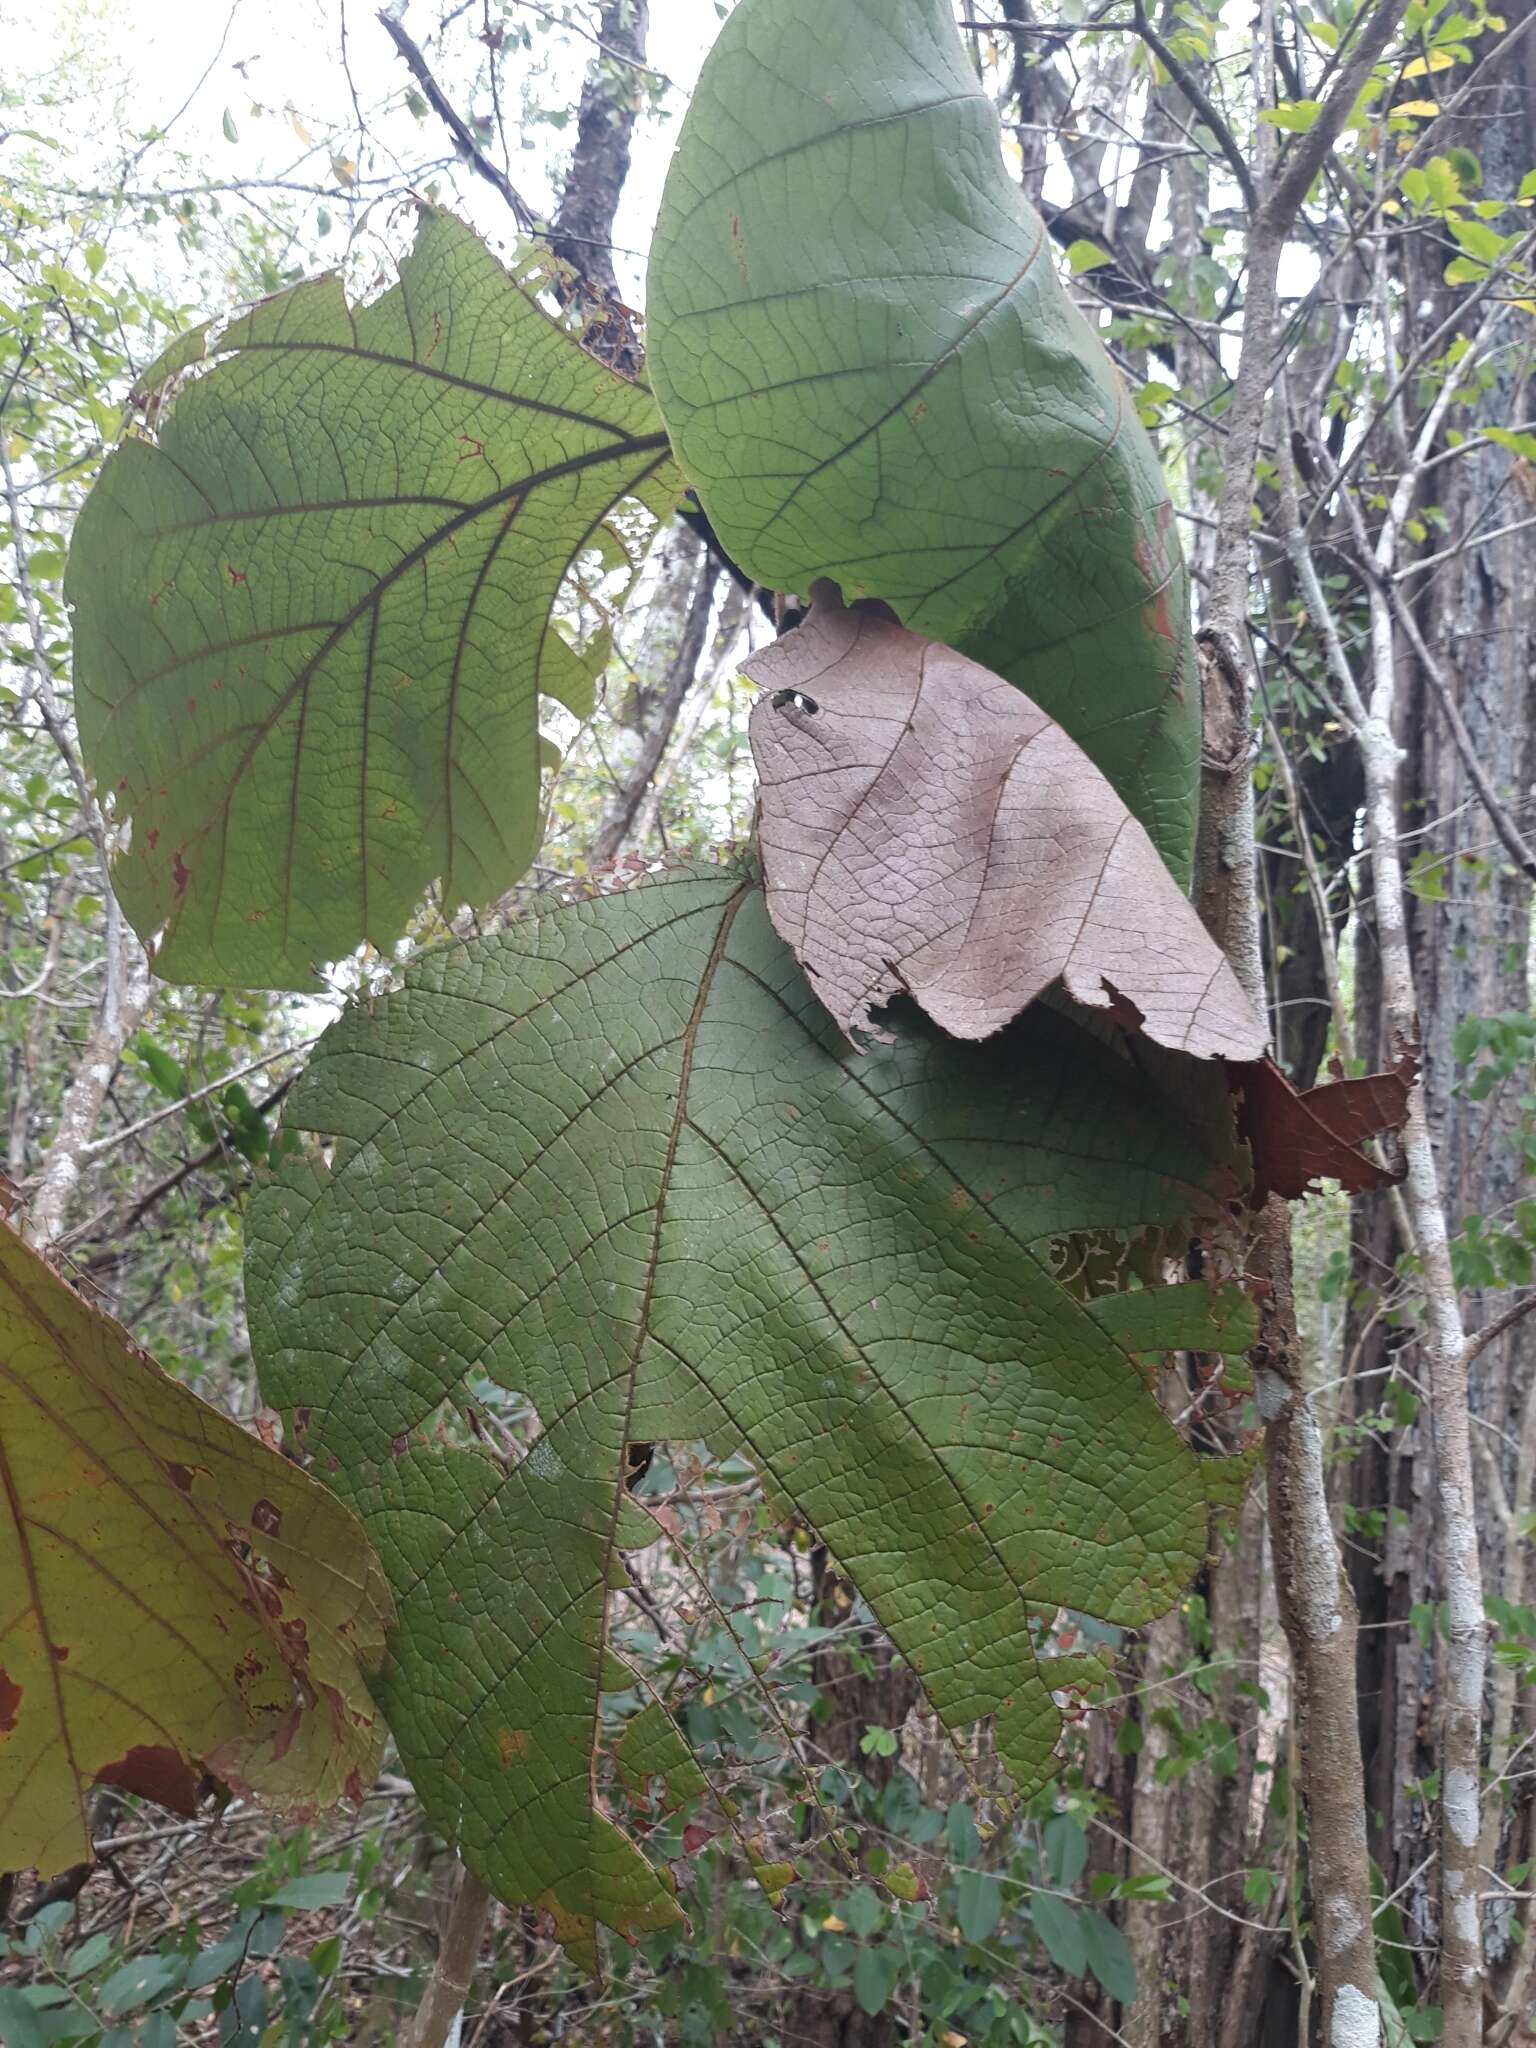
(1299, 1139)
(928, 830)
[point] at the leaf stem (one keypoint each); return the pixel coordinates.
(442, 2005)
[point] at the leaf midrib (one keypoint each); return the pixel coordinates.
(728, 915)
(370, 602)
(414, 367)
(649, 444)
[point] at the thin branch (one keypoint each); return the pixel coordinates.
(1485, 539)
(147, 1123)
(609, 50)
(1479, 1341)
(1203, 105)
(1504, 826)
(219, 1149)
(214, 188)
(1305, 158)
(440, 104)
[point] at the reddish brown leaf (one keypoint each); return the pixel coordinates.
(1298, 1140)
(927, 829)
(155, 1772)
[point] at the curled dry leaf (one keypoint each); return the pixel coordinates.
(180, 1600)
(927, 830)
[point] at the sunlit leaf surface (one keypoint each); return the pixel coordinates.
(315, 607)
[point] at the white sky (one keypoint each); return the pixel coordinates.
(127, 67)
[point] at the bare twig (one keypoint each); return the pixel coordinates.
(1304, 159)
(1505, 828)
(1203, 105)
(125, 990)
(612, 50)
(158, 1116)
(445, 111)
(1444, 1337)
(1490, 1333)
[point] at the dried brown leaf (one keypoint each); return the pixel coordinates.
(1299, 1139)
(927, 830)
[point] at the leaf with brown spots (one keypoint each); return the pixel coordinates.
(180, 1602)
(928, 831)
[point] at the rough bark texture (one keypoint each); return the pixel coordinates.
(1204, 1977)
(1477, 613)
(1202, 1968)
(1316, 1603)
(582, 231)
(125, 998)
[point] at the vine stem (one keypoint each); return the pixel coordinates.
(439, 2016)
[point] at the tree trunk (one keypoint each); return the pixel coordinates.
(582, 232)
(677, 631)
(1469, 930)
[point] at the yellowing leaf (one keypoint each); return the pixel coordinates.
(1444, 183)
(1085, 256)
(1437, 60)
(1294, 116)
(1422, 109)
(178, 1598)
(774, 1878)
(1478, 239)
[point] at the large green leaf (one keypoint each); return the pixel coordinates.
(314, 613)
(872, 372)
(177, 1597)
(621, 1161)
